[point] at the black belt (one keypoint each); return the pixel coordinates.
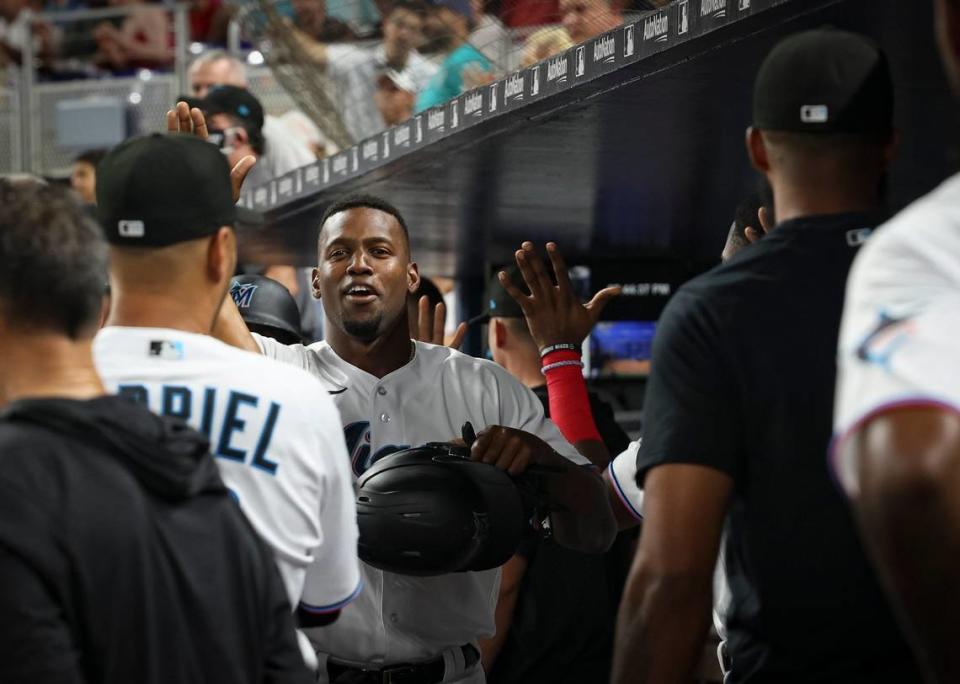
(427, 672)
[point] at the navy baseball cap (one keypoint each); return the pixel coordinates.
(159, 190)
(237, 102)
(824, 81)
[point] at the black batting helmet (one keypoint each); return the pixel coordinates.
(267, 307)
(430, 510)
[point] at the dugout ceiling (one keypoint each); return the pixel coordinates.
(629, 145)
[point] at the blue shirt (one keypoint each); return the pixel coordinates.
(448, 82)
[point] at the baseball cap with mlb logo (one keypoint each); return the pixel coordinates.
(824, 81)
(159, 190)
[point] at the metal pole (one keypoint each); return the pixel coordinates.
(28, 162)
(181, 39)
(234, 34)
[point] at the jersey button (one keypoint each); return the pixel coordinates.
(381, 391)
(384, 418)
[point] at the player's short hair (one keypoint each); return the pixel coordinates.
(91, 157)
(365, 202)
(53, 259)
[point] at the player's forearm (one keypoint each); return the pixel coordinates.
(661, 627)
(586, 522)
(230, 328)
(912, 529)
(595, 451)
(490, 648)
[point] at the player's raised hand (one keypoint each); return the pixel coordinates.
(430, 325)
(554, 313)
(184, 119)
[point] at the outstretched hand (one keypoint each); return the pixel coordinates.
(430, 325)
(554, 313)
(183, 119)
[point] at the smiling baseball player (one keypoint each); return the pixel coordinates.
(393, 393)
(273, 428)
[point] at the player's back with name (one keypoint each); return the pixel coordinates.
(273, 429)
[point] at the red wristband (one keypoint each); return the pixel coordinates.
(569, 403)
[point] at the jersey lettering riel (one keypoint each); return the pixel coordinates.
(277, 439)
(399, 618)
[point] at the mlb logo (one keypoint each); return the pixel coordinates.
(418, 133)
(581, 60)
(454, 115)
(744, 5)
(131, 229)
(386, 144)
(685, 17)
(814, 114)
(171, 350)
(242, 295)
(535, 82)
(629, 36)
(493, 97)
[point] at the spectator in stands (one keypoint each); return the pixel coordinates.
(585, 19)
(544, 44)
(464, 66)
(283, 152)
(209, 20)
(518, 13)
(83, 175)
(310, 17)
(489, 36)
(235, 123)
(394, 97)
(142, 41)
(16, 30)
(556, 611)
(354, 68)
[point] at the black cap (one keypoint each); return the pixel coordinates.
(162, 189)
(267, 307)
(237, 102)
(824, 81)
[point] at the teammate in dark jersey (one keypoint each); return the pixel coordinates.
(737, 417)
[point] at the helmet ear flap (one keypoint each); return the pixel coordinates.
(431, 511)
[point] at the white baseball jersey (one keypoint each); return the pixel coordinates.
(901, 320)
(399, 618)
(277, 440)
(622, 473)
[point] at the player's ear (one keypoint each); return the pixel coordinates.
(221, 255)
(413, 277)
(499, 333)
(757, 150)
(315, 283)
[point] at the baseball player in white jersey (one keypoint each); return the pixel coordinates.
(897, 415)
(273, 429)
(393, 393)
